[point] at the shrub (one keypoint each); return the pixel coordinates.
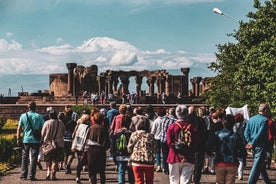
(6, 149)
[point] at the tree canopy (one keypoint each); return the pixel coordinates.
(246, 69)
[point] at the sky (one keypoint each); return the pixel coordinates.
(39, 37)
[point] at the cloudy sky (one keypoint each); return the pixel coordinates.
(39, 37)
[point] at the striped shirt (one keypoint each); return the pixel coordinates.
(166, 121)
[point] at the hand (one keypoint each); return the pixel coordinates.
(18, 142)
(248, 146)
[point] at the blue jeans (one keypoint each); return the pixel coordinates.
(158, 152)
(33, 149)
(122, 168)
(258, 168)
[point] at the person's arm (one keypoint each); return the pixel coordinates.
(18, 132)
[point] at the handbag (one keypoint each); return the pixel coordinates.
(50, 145)
(36, 132)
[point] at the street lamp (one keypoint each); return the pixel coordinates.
(218, 11)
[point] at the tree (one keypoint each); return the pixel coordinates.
(247, 69)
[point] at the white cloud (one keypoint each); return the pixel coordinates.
(57, 50)
(123, 58)
(13, 45)
(105, 52)
(9, 34)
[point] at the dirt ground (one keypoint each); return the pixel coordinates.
(12, 177)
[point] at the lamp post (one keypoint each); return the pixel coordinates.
(218, 11)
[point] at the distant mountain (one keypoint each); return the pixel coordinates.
(106, 44)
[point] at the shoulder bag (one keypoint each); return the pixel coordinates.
(50, 145)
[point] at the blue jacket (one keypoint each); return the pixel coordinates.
(227, 146)
(256, 131)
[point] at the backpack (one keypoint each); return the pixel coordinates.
(121, 143)
(183, 144)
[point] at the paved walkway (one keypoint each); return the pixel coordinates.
(12, 176)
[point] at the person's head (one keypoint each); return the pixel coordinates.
(112, 104)
(149, 109)
(238, 118)
(161, 112)
(94, 110)
(85, 111)
(103, 111)
(139, 110)
(191, 110)
(171, 111)
(68, 108)
(181, 111)
(143, 124)
(229, 121)
(98, 118)
(53, 114)
(264, 109)
(85, 119)
(61, 115)
(122, 109)
(221, 113)
(203, 111)
(31, 106)
(49, 108)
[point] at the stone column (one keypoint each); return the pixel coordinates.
(185, 88)
(125, 83)
(115, 84)
(196, 85)
(109, 84)
(151, 82)
(167, 84)
(138, 84)
(193, 86)
(70, 84)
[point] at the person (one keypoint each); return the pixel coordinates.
(78, 145)
(163, 98)
(98, 139)
(117, 125)
(70, 120)
(112, 112)
(201, 128)
(156, 131)
(151, 115)
(179, 97)
(203, 112)
(85, 96)
(121, 155)
(135, 119)
(30, 143)
(180, 164)
(239, 128)
(256, 136)
(227, 146)
(53, 129)
(271, 134)
(166, 122)
(142, 148)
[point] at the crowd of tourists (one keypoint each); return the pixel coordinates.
(182, 142)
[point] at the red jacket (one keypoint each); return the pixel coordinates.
(172, 136)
